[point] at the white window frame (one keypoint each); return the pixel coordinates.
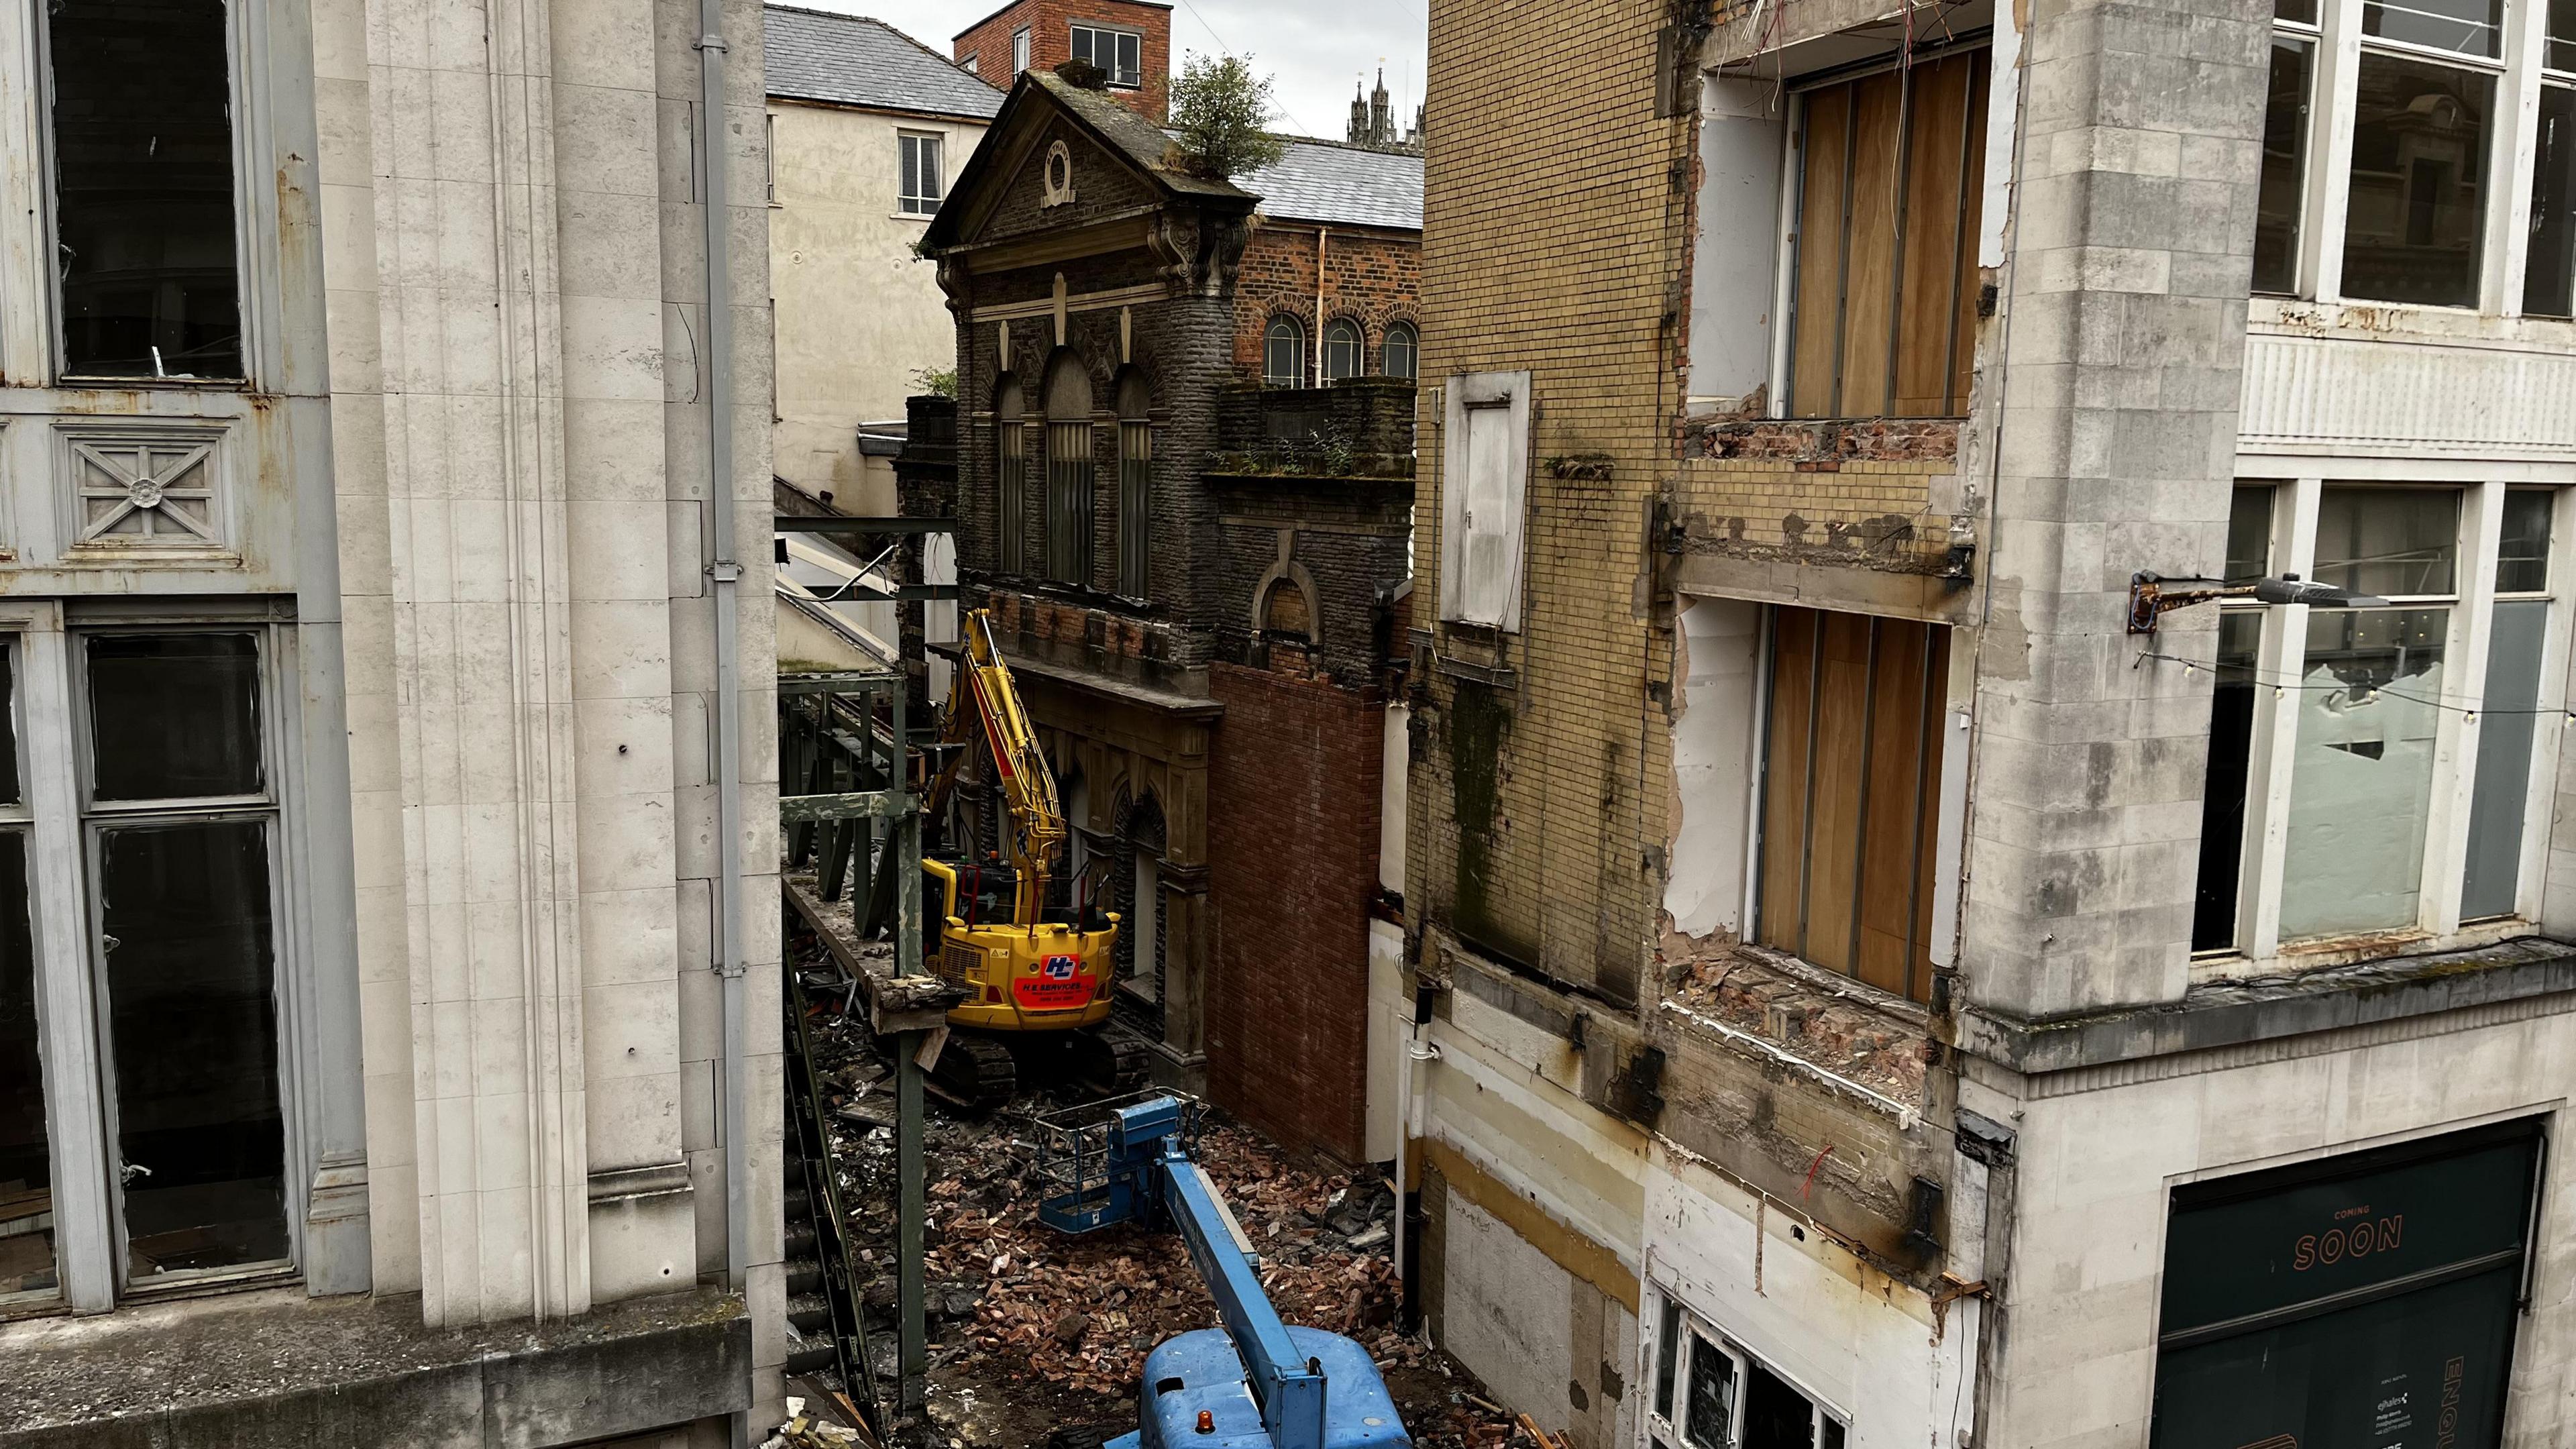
(2334, 81)
(1655, 1430)
(1073, 38)
(1019, 51)
(51, 719)
(2281, 657)
(33, 337)
(908, 146)
(1478, 391)
(972, 65)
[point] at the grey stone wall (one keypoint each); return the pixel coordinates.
(2122, 340)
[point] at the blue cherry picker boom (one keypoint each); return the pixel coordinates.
(1256, 1383)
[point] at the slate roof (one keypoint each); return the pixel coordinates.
(1340, 186)
(851, 60)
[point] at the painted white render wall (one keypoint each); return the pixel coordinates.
(858, 313)
(1870, 1348)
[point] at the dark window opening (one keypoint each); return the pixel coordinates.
(1343, 351)
(1119, 53)
(186, 927)
(2285, 166)
(174, 716)
(2415, 222)
(26, 1170)
(1402, 352)
(1135, 486)
(1010, 477)
(2549, 284)
(143, 188)
(1069, 473)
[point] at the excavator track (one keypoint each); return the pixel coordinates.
(1110, 1064)
(975, 1072)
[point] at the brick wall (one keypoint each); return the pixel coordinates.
(1555, 225)
(1050, 25)
(1371, 277)
(1292, 864)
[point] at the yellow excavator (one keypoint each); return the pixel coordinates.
(1036, 954)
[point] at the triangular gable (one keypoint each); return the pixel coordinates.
(1119, 162)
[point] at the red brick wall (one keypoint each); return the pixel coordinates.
(1050, 26)
(1373, 278)
(1292, 864)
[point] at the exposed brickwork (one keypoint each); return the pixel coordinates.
(1373, 278)
(1050, 25)
(1874, 440)
(1292, 863)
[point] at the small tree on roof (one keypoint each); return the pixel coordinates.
(1220, 112)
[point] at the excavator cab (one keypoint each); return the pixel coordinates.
(1037, 955)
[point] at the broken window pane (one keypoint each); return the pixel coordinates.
(26, 1171)
(2285, 166)
(1708, 1419)
(2222, 801)
(1667, 1351)
(2413, 227)
(2392, 542)
(143, 175)
(174, 716)
(1776, 1416)
(2522, 550)
(2505, 729)
(186, 928)
(2361, 778)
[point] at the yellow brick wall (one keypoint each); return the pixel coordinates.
(1553, 239)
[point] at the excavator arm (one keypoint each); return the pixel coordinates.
(982, 700)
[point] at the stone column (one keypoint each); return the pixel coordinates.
(2122, 337)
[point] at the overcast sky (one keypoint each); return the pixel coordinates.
(1314, 48)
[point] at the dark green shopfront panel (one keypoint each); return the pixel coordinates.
(2366, 1302)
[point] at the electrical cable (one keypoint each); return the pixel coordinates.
(2363, 694)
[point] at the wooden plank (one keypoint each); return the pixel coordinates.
(1963, 351)
(1784, 789)
(1820, 251)
(1888, 831)
(1931, 273)
(1869, 286)
(1833, 826)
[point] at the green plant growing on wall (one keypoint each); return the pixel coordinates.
(1220, 117)
(935, 382)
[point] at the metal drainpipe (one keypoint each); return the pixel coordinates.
(1321, 234)
(725, 572)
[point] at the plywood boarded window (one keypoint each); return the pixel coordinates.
(1069, 471)
(1850, 786)
(1890, 168)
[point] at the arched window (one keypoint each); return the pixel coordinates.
(1010, 474)
(1135, 482)
(1285, 611)
(1283, 354)
(1403, 351)
(1068, 456)
(1343, 350)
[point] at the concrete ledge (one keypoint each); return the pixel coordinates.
(279, 1368)
(2233, 1013)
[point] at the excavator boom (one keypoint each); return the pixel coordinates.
(983, 700)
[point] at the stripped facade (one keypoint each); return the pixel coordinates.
(1869, 994)
(384, 1049)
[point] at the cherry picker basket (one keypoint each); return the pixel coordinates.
(1094, 1161)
